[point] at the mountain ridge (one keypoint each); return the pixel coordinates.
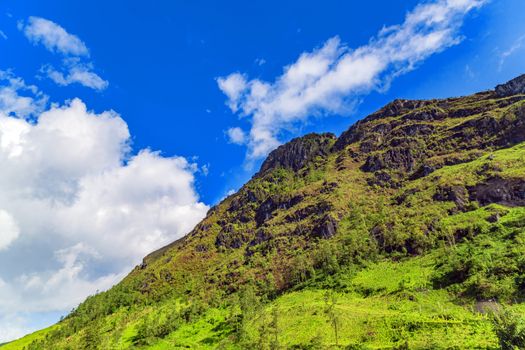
(417, 180)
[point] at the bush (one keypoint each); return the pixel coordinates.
(510, 330)
(156, 328)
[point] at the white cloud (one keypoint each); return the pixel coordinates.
(53, 37)
(328, 79)
(9, 230)
(233, 86)
(236, 135)
(3, 35)
(70, 193)
(76, 72)
(12, 326)
(18, 98)
(56, 39)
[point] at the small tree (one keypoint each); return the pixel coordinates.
(91, 337)
(510, 330)
(263, 342)
(274, 327)
(248, 303)
(333, 317)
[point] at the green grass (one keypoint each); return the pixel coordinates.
(387, 305)
(28, 339)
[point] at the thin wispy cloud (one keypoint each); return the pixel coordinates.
(74, 69)
(330, 78)
(75, 72)
(3, 35)
(516, 45)
(53, 37)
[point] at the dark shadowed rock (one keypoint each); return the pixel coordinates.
(230, 237)
(261, 235)
(427, 114)
(326, 228)
(456, 194)
(423, 171)
(266, 209)
(513, 87)
(394, 158)
(509, 192)
(320, 208)
(383, 179)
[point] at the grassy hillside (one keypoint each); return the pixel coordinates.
(406, 232)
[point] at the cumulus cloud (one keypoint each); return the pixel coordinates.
(328, 79)
(71, 191)
(52, 36)
(56, 39)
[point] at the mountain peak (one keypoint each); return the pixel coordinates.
(298, 152)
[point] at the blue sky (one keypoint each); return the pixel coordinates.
(158, 66)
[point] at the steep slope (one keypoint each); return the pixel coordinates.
(400, 233)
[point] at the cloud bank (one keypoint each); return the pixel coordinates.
(77, 209)
(328, 79)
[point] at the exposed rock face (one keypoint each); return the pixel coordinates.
(423, 171)
(509, 192)
(297, 153)
(266, 209)
(427, 114)
(395, 158)
(319, 208)
(505, 191)
(229, 237)
(513, 87)
(456, 194)
(360, 130)
(399, 107)
(326, 228)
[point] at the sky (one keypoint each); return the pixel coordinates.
(123, 122)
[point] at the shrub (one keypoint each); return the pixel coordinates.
(510, 330)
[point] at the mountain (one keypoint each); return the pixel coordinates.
(405, 232)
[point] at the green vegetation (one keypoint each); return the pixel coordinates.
(407, 232)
